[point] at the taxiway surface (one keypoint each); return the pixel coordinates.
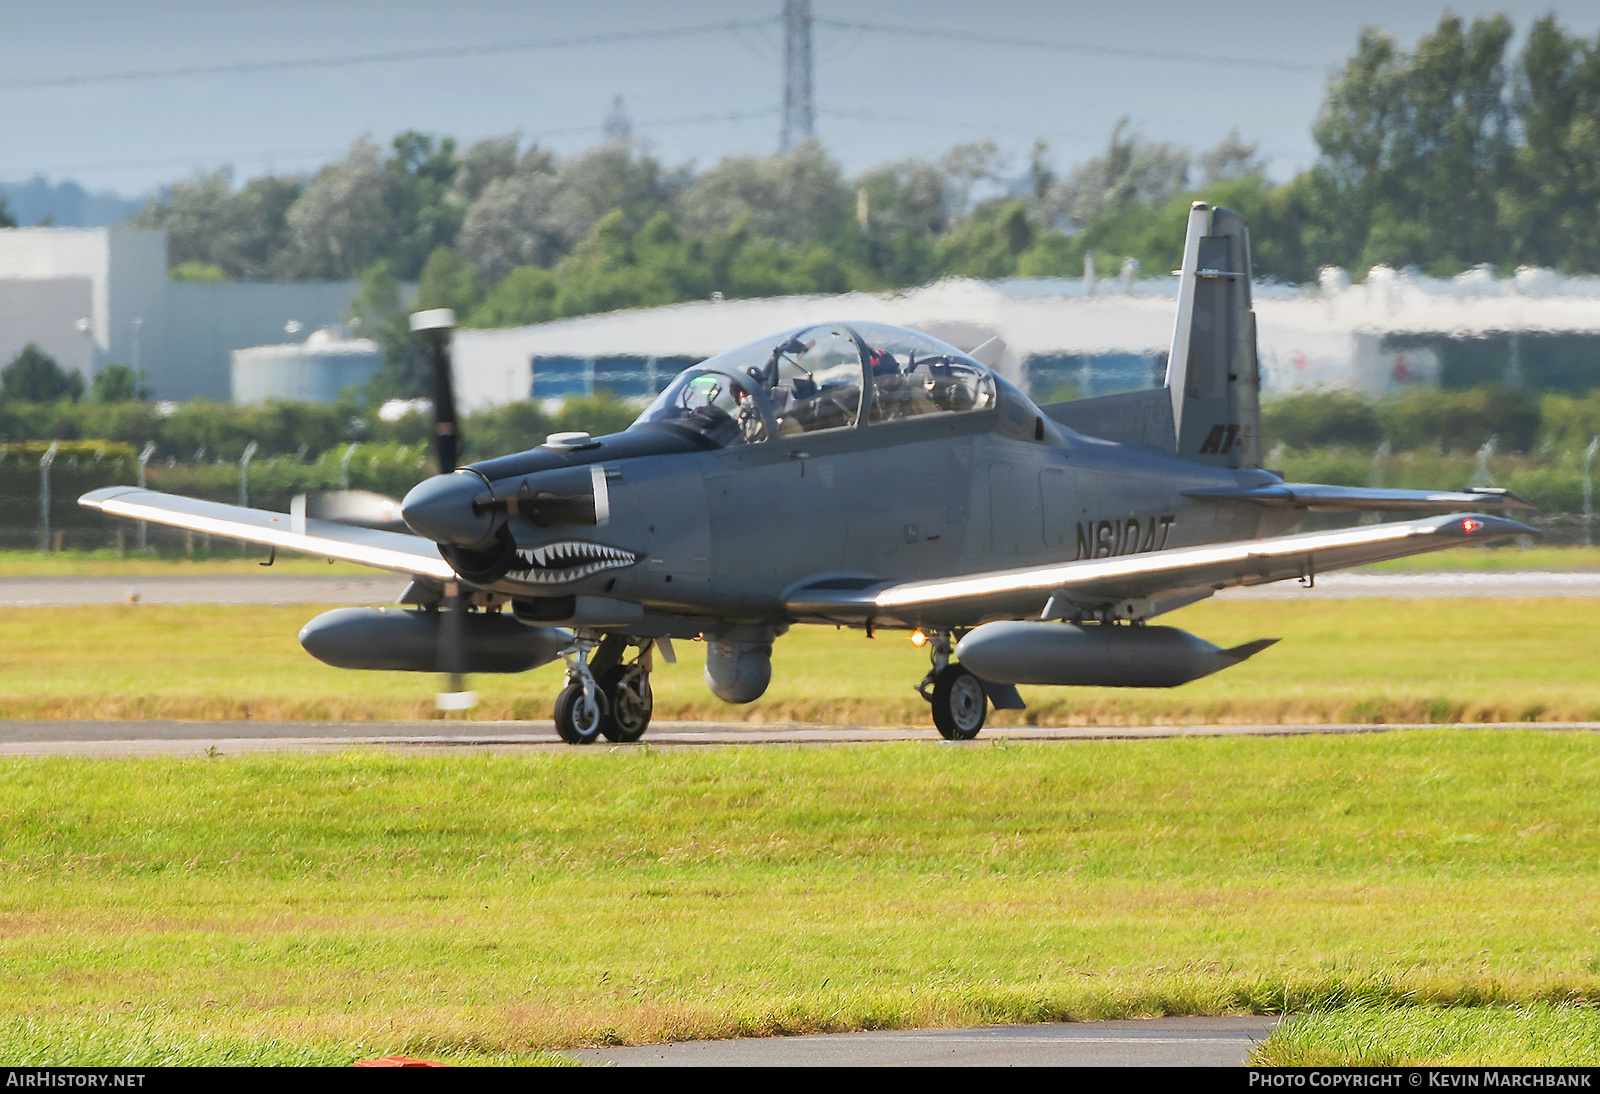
(265, 588)
(167, 738)
(1151, 1042)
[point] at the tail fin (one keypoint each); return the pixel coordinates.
(1212, 372)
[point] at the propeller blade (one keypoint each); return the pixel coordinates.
(432, 329)
(360, 508)
(452, 652)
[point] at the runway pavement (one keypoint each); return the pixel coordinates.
(167, 738)
(268, 588)
(40, 592)
(1153, 1042)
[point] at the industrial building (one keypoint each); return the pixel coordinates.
(93, 296)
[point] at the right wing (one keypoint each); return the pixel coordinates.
(1133, 586)
(396, 551)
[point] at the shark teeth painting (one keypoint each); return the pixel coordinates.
(567, 560)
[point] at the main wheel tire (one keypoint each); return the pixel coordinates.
(959, 704)
(579, 720)
(630, 703)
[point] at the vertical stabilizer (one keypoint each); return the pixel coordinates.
(1212, 372)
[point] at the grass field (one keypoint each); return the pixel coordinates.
(485, 908)
(1508, 557)
(1356, 660)
(1529, 1035)
(1424, 896)
(111, 564)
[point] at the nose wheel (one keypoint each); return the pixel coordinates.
(579, 715)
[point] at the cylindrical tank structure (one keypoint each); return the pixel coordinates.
(738, 672)
(401, 640)
(316, 370)
(1095, 656)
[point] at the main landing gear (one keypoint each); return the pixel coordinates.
(957, 697)
(605, 697)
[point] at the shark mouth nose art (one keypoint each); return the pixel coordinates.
(567, 560)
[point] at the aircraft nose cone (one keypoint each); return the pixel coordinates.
(440, 509)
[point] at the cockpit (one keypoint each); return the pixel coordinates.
(822, 377)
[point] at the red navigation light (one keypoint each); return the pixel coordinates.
(1470, 526)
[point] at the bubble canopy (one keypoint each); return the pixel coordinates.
(821, 377)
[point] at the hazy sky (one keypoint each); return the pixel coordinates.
(880, 95)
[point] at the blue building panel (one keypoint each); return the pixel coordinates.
(560, 377)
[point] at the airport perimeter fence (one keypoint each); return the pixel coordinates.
(39, 507)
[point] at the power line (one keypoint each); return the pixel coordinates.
(853, 114)
(179, 161)
(662, 123)
(294, 153)
(236, 68)
(970, 37)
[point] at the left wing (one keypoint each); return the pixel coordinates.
(396, 551)
(1134, 586)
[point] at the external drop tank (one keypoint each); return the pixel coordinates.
(1102, 655)
(400, 640)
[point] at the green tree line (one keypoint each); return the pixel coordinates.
(1457, 152)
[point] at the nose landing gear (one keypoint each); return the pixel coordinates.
(956, 695)
(603, 696)
(627, 691)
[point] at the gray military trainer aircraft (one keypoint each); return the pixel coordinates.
(861, 475)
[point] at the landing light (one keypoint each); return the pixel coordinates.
(918, 639)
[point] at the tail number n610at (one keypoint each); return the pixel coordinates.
(1099, 538)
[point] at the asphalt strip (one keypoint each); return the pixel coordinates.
(167, 738)
(1148, 1042)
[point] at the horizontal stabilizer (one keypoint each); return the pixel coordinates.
(396, 551)
(1127, 417)
(1301, 495)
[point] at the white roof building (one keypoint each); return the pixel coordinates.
(1393, 330)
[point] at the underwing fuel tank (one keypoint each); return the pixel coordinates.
(399, 640)
(1095, 656)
